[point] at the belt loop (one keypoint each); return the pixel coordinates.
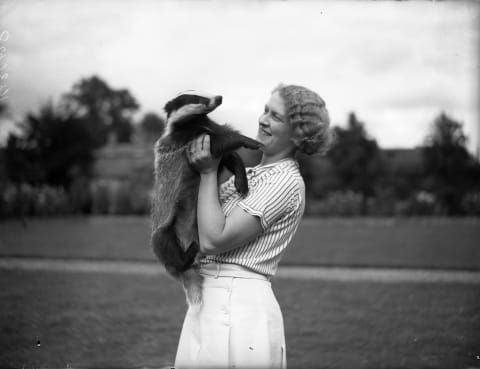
(218, 270)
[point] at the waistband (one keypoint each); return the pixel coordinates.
(230, 270)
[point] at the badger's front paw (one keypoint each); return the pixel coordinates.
(241, 184)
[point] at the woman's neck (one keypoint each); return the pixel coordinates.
(270, 159)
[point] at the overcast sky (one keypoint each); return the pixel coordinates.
(397, 65)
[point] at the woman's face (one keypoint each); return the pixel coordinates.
(274, 132)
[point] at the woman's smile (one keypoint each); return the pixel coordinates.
(263, 131)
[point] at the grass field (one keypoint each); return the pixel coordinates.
(111, 320)
(427, 243)
(106, 320)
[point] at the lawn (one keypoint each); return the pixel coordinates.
(407, 242)
(118, 320)
(112, 320)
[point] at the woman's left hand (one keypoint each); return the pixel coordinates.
(199, 155)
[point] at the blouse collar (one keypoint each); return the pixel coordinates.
(279, 162)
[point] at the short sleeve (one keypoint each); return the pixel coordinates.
(271, 197)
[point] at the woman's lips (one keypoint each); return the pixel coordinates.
(264, 132)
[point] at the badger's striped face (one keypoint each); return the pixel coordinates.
(190, 103)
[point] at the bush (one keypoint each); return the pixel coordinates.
(382, 205)
(80, 195)
(119, 198)
(130, 199)
(336, 204)
(26, 200)
(98, 197)
(50, 201)
(11, 205)
(421, 203)
(348, 204)
(471, 203)
(17, 200)
(140, 200)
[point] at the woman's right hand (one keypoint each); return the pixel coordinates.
(199, 155)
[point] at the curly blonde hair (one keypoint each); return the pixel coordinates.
(308, 116)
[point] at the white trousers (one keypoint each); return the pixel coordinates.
(239, 325)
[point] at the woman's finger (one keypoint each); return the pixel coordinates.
(191, 149)
(188, 152)
(203, 138)
(206, 144)
(198, 144)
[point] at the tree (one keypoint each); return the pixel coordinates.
(152, 127)
(3, 109)
(3, 172)
(104, 109)
(450, 169)
(318, 172)
(52, 149)
(356, 158)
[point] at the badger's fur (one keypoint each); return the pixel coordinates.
(174, 216)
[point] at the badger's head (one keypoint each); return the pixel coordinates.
(189, 103)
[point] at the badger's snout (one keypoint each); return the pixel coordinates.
(217, 100)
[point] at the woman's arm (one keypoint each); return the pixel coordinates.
(217, 233)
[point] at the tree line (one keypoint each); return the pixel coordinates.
(444, 181)
(56, 147)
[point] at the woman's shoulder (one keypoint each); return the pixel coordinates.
(284, 172)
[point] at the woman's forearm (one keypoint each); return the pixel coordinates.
(216, 232)
(211, 220)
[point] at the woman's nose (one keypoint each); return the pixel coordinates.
(262, 120)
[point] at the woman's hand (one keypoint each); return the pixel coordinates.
(199, 155)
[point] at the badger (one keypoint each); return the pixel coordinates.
(174, 236)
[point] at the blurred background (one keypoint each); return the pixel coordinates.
(82, 98)
(82, 90)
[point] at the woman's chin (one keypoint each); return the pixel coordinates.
(261, 137)
(264, 147)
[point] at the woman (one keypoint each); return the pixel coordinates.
(240, 324)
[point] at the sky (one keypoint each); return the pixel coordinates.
(397, 65)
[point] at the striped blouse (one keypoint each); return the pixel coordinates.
(277, 197)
